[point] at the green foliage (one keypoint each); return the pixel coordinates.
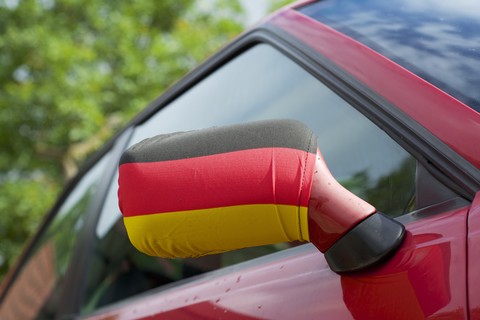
(23, 201)
(276, 4)
(72, 72)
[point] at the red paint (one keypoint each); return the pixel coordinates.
(425, 279)
(277, 175)
(474, 258)
(202, 310)
(421, 275)
(450, 120)
(333, 210)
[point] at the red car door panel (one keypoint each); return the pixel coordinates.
(474, 258)
(416, 283)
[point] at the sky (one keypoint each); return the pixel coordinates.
(256, 10)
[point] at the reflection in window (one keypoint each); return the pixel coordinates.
(35, 293)
(437, 40)
(390, 191)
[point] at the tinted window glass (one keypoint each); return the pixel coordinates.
(259, 84)
(35, 293)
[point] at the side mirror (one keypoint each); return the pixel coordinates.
(189, 194)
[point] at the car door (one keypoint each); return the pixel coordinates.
(261, 77)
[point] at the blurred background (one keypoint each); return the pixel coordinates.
(73, 72)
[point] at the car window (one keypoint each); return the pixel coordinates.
(261, 83)
(264, 84)
(35, 292)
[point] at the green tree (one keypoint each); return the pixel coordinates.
(276, 4)
(72, 72)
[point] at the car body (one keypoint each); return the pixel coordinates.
(390, 90)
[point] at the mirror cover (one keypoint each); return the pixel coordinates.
(189, 194)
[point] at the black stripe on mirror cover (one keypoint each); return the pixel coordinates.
(261, 134)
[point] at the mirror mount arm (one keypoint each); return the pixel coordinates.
(351, 233)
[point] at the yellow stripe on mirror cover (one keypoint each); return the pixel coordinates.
(196, 233)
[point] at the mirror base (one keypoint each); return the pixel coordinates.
(370, 242)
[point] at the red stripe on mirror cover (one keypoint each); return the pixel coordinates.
(255, 176)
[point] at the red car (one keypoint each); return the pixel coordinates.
(391, 90)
